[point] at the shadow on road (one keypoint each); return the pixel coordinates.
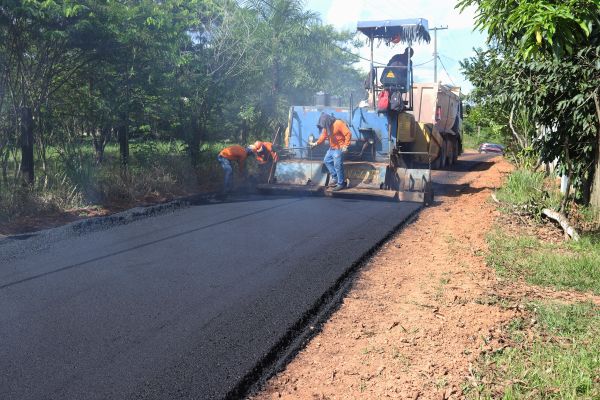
(454, 190)
(471, 165)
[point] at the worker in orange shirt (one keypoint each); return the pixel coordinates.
(229, 154)
(267, 159)
(338, 134)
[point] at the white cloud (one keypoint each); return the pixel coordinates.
(343, 14)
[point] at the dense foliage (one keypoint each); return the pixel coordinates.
(186, 71)
(540, 79)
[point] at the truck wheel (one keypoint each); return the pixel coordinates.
(453, 155)
(449, 152)
(456, 151)
(443, 154)
(440, 161)
(437, 162)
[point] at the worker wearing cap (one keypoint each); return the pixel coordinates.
(339, 136)
(229, 154)
(264, 152)
(267, 159)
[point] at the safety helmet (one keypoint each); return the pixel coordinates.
(258, 146)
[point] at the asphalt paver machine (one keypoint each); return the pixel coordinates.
(382, 160)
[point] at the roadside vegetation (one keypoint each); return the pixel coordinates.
(528, 190)
(551, 354)
(108, 103)
(157, 170)
(563, 266)
(535, 88)
(480, 128)
(552, 349)
(537, 84)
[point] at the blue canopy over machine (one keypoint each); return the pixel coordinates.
(404, 30)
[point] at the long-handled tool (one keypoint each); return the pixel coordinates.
(270, 178)
(311, 139)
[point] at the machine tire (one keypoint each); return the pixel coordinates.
(440, 162)
(456, 151)
(449, 152)
(443, 155)
(453, 153)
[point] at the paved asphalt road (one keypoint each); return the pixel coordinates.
(180, 305)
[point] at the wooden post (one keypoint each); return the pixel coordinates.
(27, 162)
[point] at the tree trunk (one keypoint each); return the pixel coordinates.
(5, 159)
(565, 201)
(520, 139)
(194, 144)
(124, 145)
(563, 221)
(100, 138)
(41, 148)
(595, 193)
(27, 163)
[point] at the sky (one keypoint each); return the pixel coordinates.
(454, 44)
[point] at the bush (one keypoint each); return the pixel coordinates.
(530, 191)
(17, 201)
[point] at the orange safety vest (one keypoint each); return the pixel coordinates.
(340, 135)
(235, 153)
(266, 153)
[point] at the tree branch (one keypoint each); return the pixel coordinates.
(521, 141)
(563, 222)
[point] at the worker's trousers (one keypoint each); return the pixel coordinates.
(334, 162)
(226, 164)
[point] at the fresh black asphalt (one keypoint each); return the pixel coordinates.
(176, 306)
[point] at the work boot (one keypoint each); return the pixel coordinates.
(333, 183)
(339, 187)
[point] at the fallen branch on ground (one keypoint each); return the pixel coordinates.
(563, 221)
(495, 198)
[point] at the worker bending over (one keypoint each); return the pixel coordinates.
(267, 160)
(229, 154)
(339, 136)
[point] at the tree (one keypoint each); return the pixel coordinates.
(300, 56)
(546, 54)
(193, 70)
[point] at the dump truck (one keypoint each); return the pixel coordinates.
(438, 111)
(392, 151)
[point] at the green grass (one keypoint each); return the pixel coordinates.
(524, 188)
(553, 349)
(74, 179)
(569, 265)
(558, 358)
